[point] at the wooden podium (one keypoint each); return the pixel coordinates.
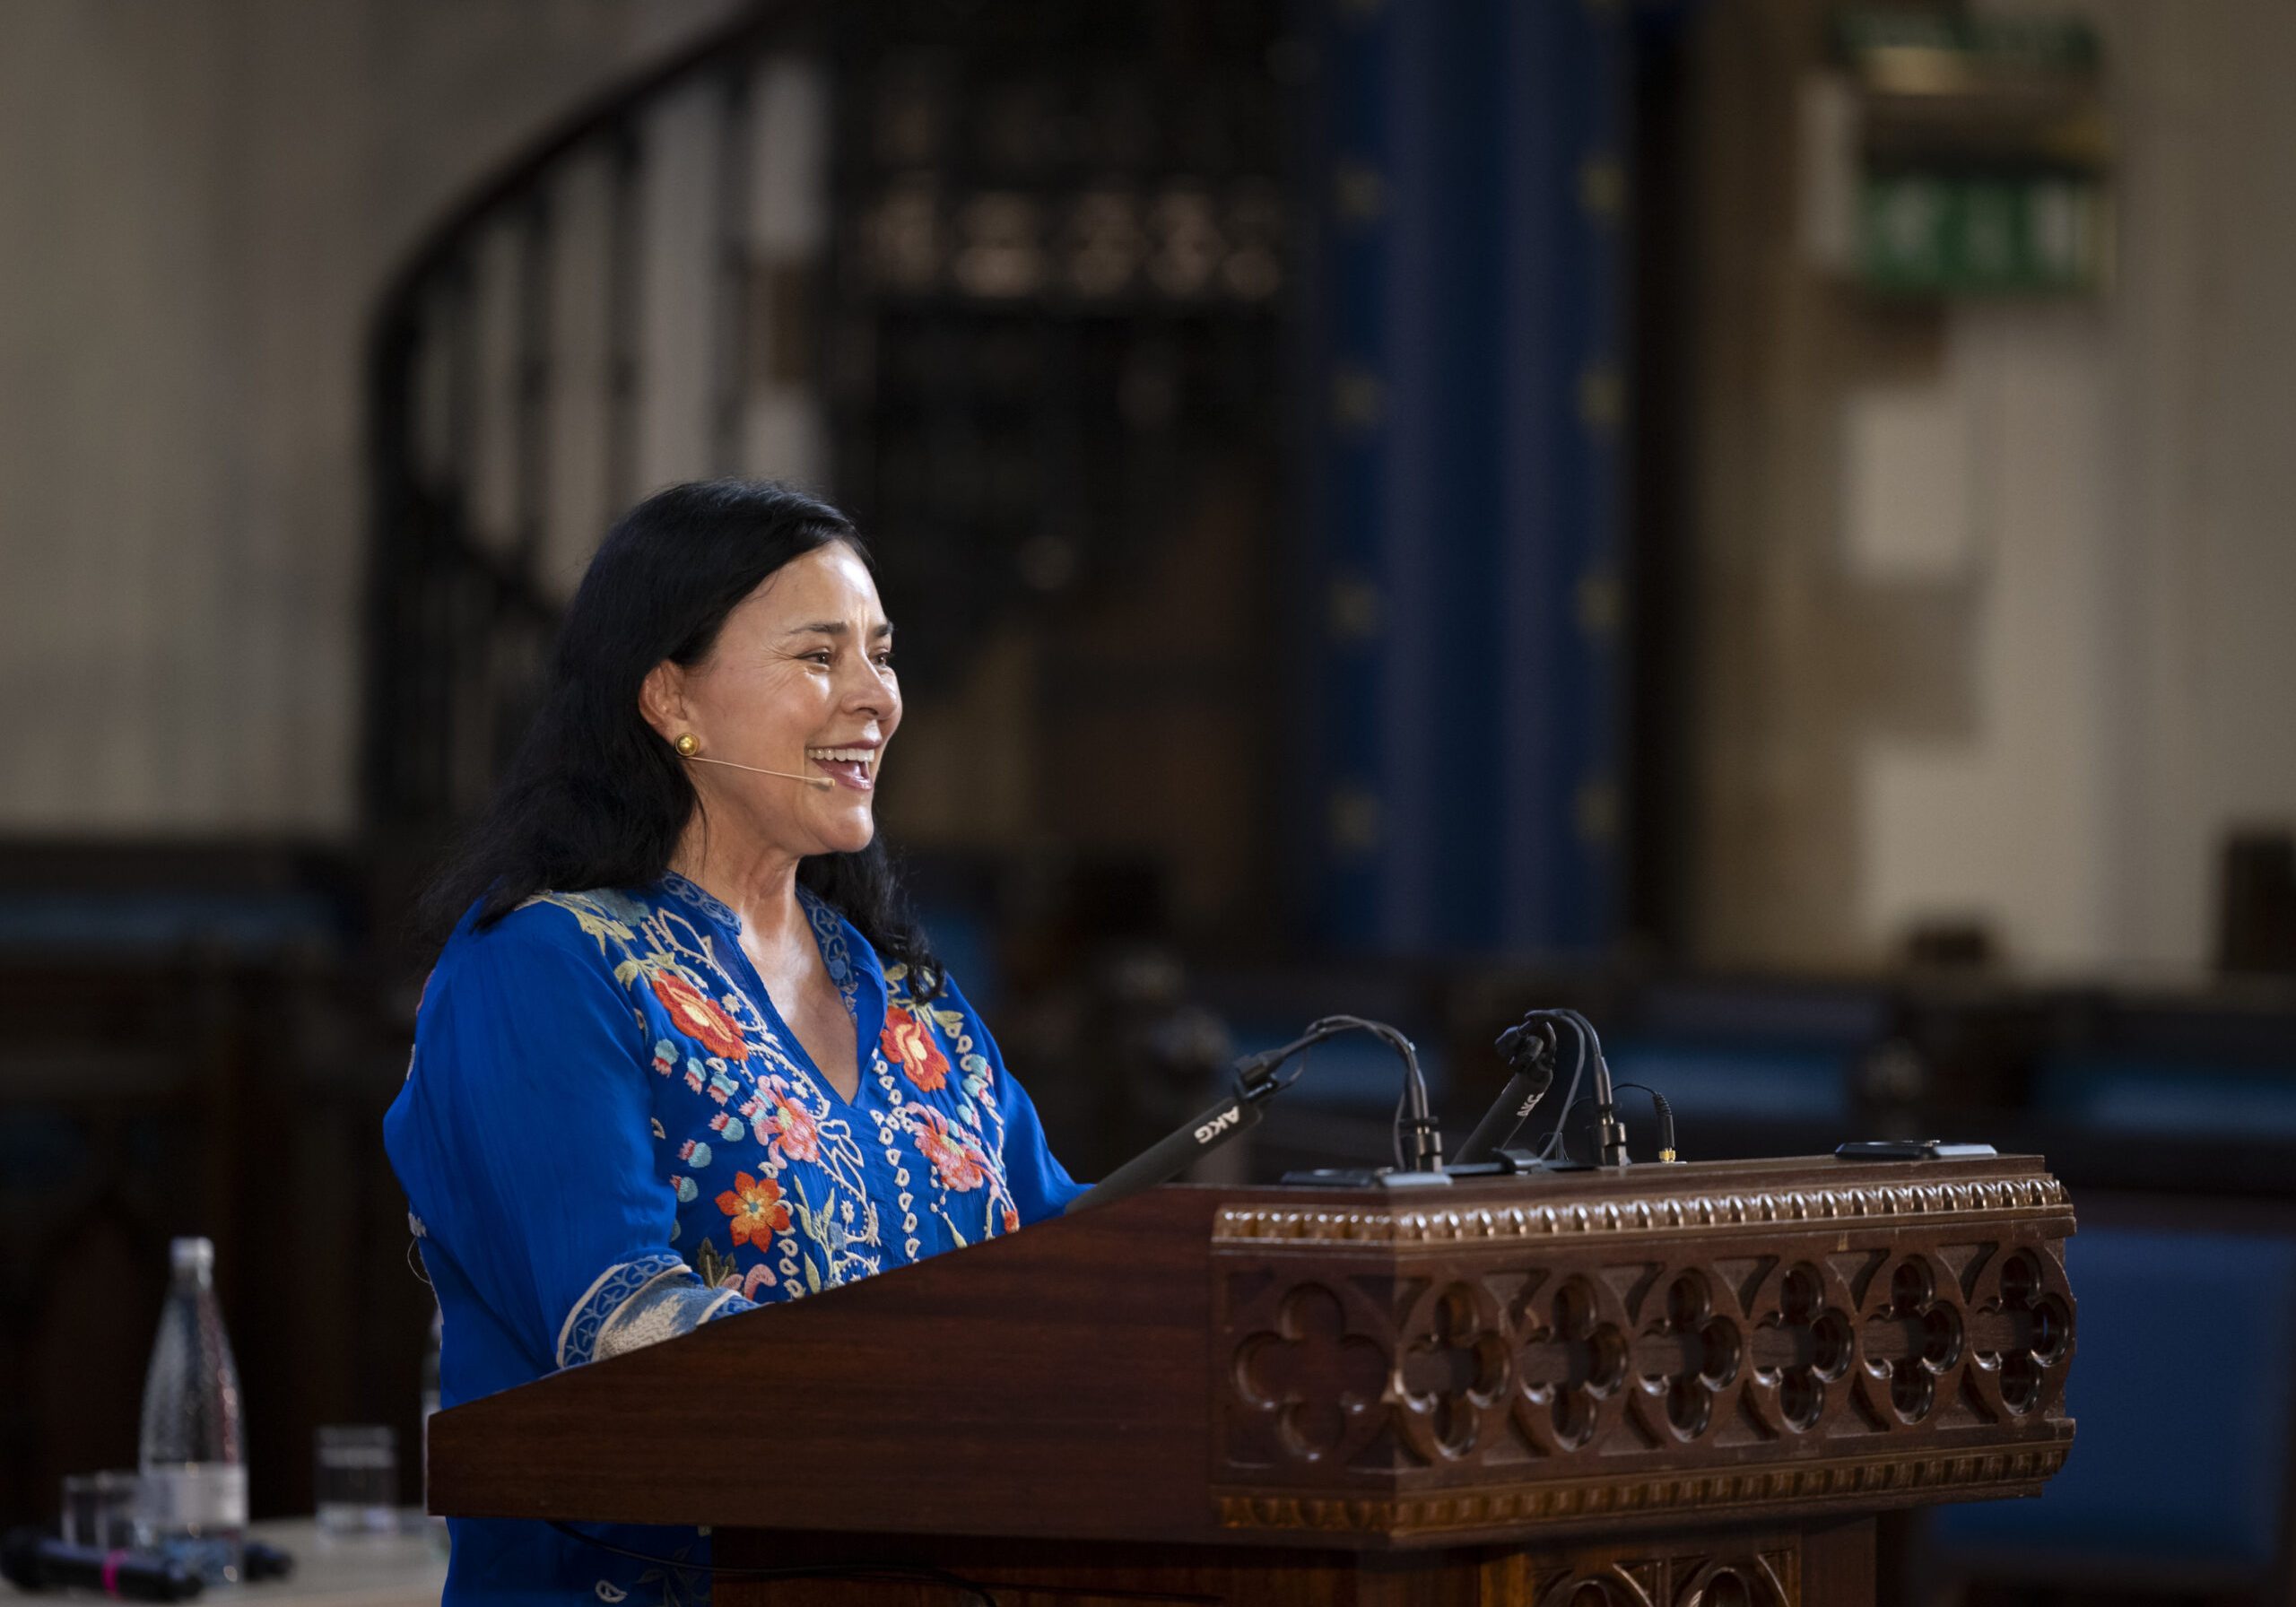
(1663, 1386)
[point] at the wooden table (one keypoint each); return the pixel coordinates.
(407, 1569)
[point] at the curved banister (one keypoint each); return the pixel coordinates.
(459, 612)
(754, 29)
(603, 310)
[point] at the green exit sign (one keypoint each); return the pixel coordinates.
(1969, 234)
(1979, 152)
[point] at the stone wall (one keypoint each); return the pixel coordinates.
(1996, 600)
(201, 200)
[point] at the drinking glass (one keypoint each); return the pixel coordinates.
(356, 1480)
(100, 1509)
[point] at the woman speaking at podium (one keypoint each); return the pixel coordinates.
(685, 1052)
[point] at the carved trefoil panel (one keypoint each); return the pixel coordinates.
(1761, 1576)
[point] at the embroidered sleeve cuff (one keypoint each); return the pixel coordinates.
(638, 1303)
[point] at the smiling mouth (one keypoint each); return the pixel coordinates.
(855, 768)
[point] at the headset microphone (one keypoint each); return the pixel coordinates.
(814, 781)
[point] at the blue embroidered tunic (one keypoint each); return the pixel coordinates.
(608, 1136)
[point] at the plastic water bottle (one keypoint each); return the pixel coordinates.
(194, 1491)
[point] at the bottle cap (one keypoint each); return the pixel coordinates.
(192, 1255)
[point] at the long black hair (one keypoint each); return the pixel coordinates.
(595, 797)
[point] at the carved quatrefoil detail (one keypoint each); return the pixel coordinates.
(1803, 1345)
(1558, 1358)
(1693, 1358)
(1505, 1363)
(2024, 1330)
(1456, 1371)
(1321, 1381)
(1913, 1339)
(1572, 1365)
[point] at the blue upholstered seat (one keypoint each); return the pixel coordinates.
(2182, 1392)
(2168, 1098)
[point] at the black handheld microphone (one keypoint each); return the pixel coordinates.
(1506, 1114)
(1529, 1049)
(1178, 1151)
(31, 1560)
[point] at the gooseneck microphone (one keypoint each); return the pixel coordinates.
(1419, 1145)
(1178, 1151)
(30, 1560)
(814, 781)
(1610, 1132)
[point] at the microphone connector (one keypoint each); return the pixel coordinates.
(1423, 1143)
(1610, 1139)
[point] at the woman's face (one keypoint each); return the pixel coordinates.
(800, 680)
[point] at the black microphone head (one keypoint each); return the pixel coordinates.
(19, 1558)
(1529, 1043)
(264, 1561)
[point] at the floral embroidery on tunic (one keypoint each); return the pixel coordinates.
(765, 1160)
(674, 1158)
(906, 1039)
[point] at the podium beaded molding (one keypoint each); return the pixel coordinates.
(1644, 1214)
(1898, 1479)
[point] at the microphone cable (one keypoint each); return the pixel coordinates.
(1582, 1031)
(1660, 1110)
(1258, 1078)
(1418, 1140)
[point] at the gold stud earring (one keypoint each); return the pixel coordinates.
(688, 745)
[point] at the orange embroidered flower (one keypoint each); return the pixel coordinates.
(906, 1041)
(698, 1017)
(952, 1153)
(755, 1208)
